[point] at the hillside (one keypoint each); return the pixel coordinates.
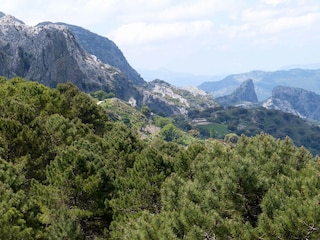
(253, 121)
(67, 172)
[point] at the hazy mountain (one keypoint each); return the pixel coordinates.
(310, 66)
(244, 94)
(57, 53)
(265, 81)
(296, 101)
(103, 48)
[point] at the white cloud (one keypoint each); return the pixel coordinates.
(196, 9)
(288, 23)
(142, 33)
(254, 15)
(170, 29)
(274, 2)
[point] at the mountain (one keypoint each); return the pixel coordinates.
(51, 54)
(244, 94)
(302, 66)
(297, 101)
(181, 98)
(103, 48)
(265, 81)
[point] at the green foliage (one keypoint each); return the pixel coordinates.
(213, 130)
(244, 191)
(17, 212)
(170, 133)
(101, 95)
(162, 121)
(254, 121)
(118, 110)
(146, 111)
(67, 172)
(139, 189)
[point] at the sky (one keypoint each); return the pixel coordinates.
(204, 37)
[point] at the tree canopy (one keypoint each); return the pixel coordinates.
(67, 172)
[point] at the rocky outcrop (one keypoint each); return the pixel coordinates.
(103, 48)
(245, 93)
(297, 101)
(50, 54)
(265, 81)
(181, 98)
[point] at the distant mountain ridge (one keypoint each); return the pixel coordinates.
(51, 54)
(297, 101)
(265, 81)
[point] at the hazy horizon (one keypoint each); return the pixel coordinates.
(200, 37)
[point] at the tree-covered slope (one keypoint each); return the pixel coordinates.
(59, 155)
(67, 172)
(256, 120)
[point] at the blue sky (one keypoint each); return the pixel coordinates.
(208, 37)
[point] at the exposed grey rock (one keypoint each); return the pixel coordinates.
(245, 93)
(265, 81)
(105, 50)
(297, 101)
(50, 54)
(181, 98)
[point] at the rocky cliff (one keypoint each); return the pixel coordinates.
(103, 48)
(265, 81)
(51, 54)
(244, 94)
(297, 101)
(183, 99)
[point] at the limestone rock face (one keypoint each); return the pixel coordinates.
(51, 55)
(103, 48)
(297, 101)
(245, 93)
(265, 81)
(183, 99)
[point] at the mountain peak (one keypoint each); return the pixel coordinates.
(103, 48)
(9, 20)
(244, 93)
